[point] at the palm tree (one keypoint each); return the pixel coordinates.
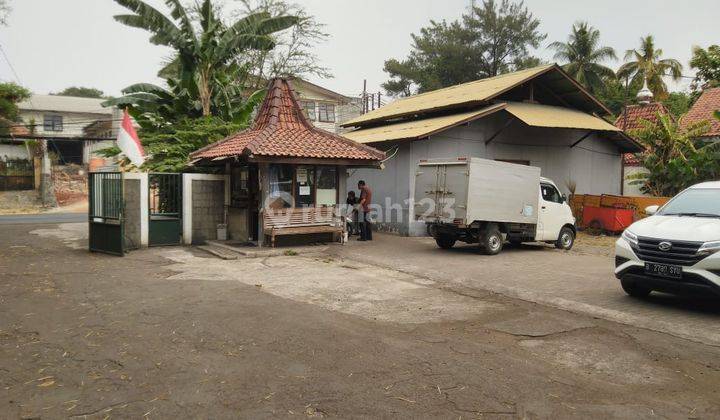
(583, 56)
(646, 65)
(206, 50)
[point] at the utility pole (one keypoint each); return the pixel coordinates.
(364, 97)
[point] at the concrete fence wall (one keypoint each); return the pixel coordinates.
(133, 226)
(204, 200)
(208, 209)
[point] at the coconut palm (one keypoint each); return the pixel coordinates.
(583, 56)
(647, 64)
(206, 49)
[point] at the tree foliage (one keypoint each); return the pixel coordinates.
(616, 95)
(584, 56)
(491, 39)
(207, 62)
(674, 158)
(646, 63)
(5, 10)
(205, 96)
(10, 95)
(293, 55)
(677, 103)
(168, 147)
(81, 92)
(706, 63)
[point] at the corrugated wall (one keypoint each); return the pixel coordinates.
(594, 164)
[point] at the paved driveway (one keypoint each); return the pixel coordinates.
(579, 281)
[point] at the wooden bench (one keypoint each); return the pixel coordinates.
(300, 221)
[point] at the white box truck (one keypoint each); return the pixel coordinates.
(487, 202)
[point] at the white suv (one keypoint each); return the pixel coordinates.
(676, 249)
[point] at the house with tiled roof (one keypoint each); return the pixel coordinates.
(539, 116)
(632, 118)
(702, 110)
(287, 176)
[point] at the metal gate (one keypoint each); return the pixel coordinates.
(105, 212)
(165, 194)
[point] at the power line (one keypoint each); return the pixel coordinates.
(71, 122)
(55, 138)
(12, 68)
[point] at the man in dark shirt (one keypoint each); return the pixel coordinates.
(365, 200)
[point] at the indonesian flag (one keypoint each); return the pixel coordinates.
(129, 142)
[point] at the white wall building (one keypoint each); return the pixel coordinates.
(539, 117)
(66, 120)
(323, 107)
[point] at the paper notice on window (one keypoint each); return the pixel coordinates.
(301, 176)
(304, 190)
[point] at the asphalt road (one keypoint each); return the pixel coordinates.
(170, 332)
(43, 218)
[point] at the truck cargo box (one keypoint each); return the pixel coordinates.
(464, 190)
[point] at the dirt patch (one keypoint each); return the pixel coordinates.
(19, 202)
(586, 244)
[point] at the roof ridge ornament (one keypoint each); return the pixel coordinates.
(645, 95)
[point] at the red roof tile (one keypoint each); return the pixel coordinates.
(702, 110)
(633, 116)
(18, 130)
(631, 159)
(281, 129)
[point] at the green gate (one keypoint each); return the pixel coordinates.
(105, 212)
(165, 194)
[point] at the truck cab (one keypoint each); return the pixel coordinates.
(488, 202)
(554, 213)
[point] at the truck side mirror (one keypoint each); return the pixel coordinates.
(564, 198)
(650, 210)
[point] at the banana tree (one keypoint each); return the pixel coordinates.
(205, 49)
(674, 157)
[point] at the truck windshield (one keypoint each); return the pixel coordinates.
(695, 203)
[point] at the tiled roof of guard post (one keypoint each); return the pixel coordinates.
(281, 130)
(703, 109)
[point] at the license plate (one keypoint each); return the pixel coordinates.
(664, 270)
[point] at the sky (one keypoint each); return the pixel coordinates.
(53, 44)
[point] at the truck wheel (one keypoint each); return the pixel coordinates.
(491, 241)
(635, 290)
(445, 242)
(566, 239)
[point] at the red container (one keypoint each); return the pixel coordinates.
(607, 218)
